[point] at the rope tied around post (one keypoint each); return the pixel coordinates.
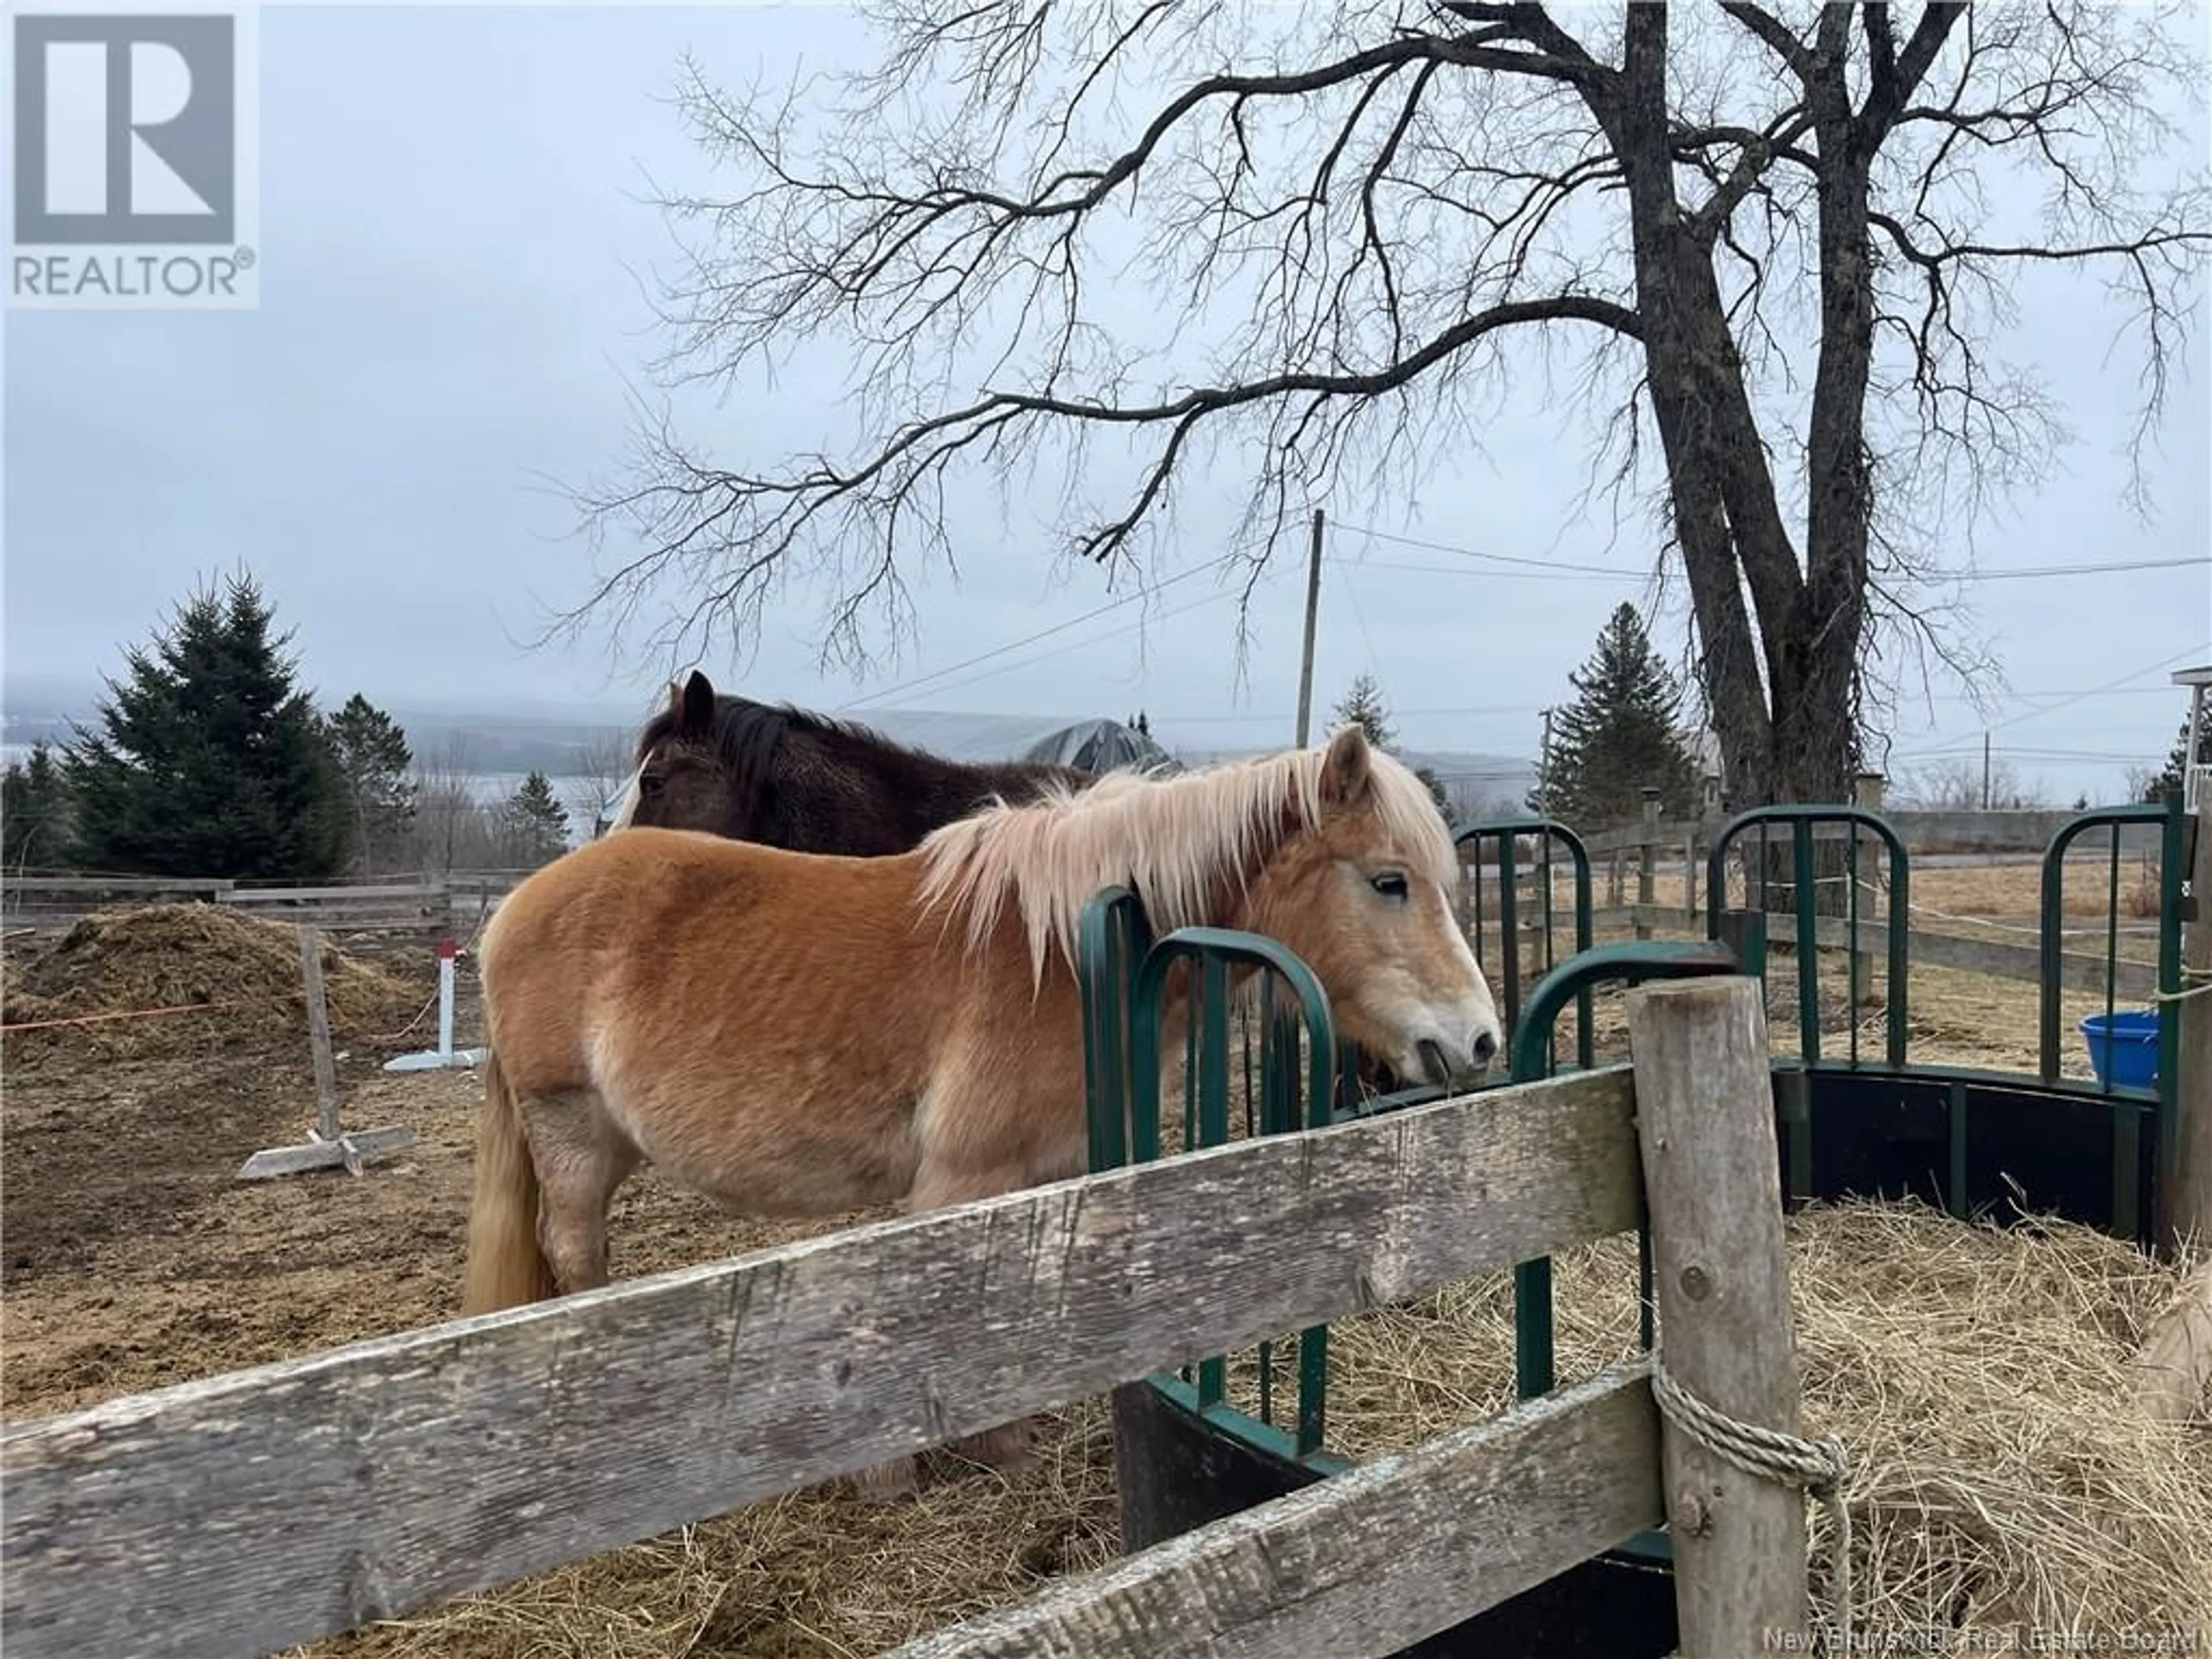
(1816, 1468)
(2203, 987)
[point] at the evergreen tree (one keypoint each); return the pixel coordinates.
(34, 812)
(2168, 781)
(536, 822)
(1362, 706)
(373, 758)
(1617, 736)
(1438, 793)
(209, 760)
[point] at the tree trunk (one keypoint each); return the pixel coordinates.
(1694, 380)
(1780, 675)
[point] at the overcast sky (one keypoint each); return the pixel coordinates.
(453, 240)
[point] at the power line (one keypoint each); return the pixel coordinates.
(953, 676)
(2055, 756)
(1563, 576)
(2067, 570)
(1094, 639)
(2046, 757)
(2114, 685)
(1260, 718)
(1276, 717)
(1564, 566)
(1110, 606)
(1614, 571)
(2079, 696)
(1462, 711)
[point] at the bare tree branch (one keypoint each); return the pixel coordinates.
(1329, 239)
(1774, 34)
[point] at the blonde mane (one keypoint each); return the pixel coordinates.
(1177, 839)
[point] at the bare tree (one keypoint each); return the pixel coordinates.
(1371, 219)
(1966, 786)
(451, 829)
(602, 768)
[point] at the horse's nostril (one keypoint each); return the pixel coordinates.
(1486, 1047)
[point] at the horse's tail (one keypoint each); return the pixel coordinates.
(506, 1267)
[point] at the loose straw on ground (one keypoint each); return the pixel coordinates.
(2000, 1486)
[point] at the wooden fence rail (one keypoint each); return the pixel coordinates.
(141, 887)
(246, 1513)
(1921, 831)
(2078, 970)
(429, 903)
(1381, 1556)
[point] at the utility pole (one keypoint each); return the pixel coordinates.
(1985, 771)
(1313, 607)
(1543, 762)
(2189, 1005)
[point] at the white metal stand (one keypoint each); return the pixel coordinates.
(445, 1054)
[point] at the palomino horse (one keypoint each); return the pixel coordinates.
(784, 777)
(792, 1034)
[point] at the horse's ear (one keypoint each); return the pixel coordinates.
(1348, 770)
(696, 713)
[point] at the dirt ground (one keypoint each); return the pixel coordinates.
(132, 1257)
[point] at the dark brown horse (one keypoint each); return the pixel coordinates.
(781, 776)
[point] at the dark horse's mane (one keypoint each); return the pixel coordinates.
(848, 788)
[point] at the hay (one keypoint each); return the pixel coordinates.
(2002, 1492)
(814, 1574)
(2003, 1488)
(238, 977)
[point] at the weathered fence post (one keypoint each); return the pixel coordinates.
(319, 1031)
(1726, 1358)
(326, 1146)
(1867, 792)
(2191, 1213)
(1689, 877)
(1647, 863)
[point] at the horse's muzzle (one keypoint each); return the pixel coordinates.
(1467, 1069)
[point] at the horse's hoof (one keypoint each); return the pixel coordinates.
(1009, 1449)
(887, 1483)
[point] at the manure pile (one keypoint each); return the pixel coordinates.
(229, 977)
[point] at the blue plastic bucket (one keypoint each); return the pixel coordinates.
(2123, 1047)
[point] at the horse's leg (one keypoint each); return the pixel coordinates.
(939, 1183)
(887, 1481)
(582, 1158)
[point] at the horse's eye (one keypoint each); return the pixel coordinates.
(1389, 883)
(650, 783)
